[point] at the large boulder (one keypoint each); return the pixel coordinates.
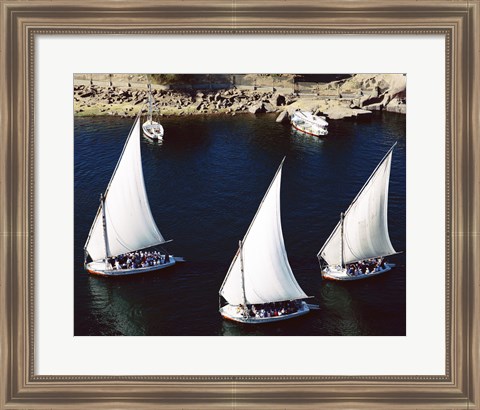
(283, 117)
(397, 104)
(338, 112)
(256, 108)
(375, 89)
(268, 107)
(278, 99)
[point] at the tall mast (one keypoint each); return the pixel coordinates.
(150, 102)
(342, 218)
(240, 244)
(104, 222)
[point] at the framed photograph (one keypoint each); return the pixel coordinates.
(239, 205)
(247, 123)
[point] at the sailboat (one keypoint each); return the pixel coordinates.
(259, 286)
(152, 129)
(124, 226)
(360, 241)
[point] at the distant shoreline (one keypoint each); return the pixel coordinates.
(335, 100)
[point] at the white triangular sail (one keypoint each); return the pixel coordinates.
(267, 273)
(365, 225)
(129, 222)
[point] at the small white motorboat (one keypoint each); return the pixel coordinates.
(306, 122)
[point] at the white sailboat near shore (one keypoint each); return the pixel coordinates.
(152, 130)
(360, 241)
(124, 226)
(260, 286)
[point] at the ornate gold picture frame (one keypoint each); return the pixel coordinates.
(457, 21)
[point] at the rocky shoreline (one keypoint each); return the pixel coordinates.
(357, 95)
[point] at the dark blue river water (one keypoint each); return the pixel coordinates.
(204, 184)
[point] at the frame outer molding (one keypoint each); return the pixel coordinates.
(474, 132)
(20, 388)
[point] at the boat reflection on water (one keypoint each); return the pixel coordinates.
(300, 326)
(153, 143)
(114, 308)
(342, 313)
(230, 328)
(351, 309)
(306, 138)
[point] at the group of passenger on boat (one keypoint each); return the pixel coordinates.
(135, 260)
(271, 309)
(365, 267)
